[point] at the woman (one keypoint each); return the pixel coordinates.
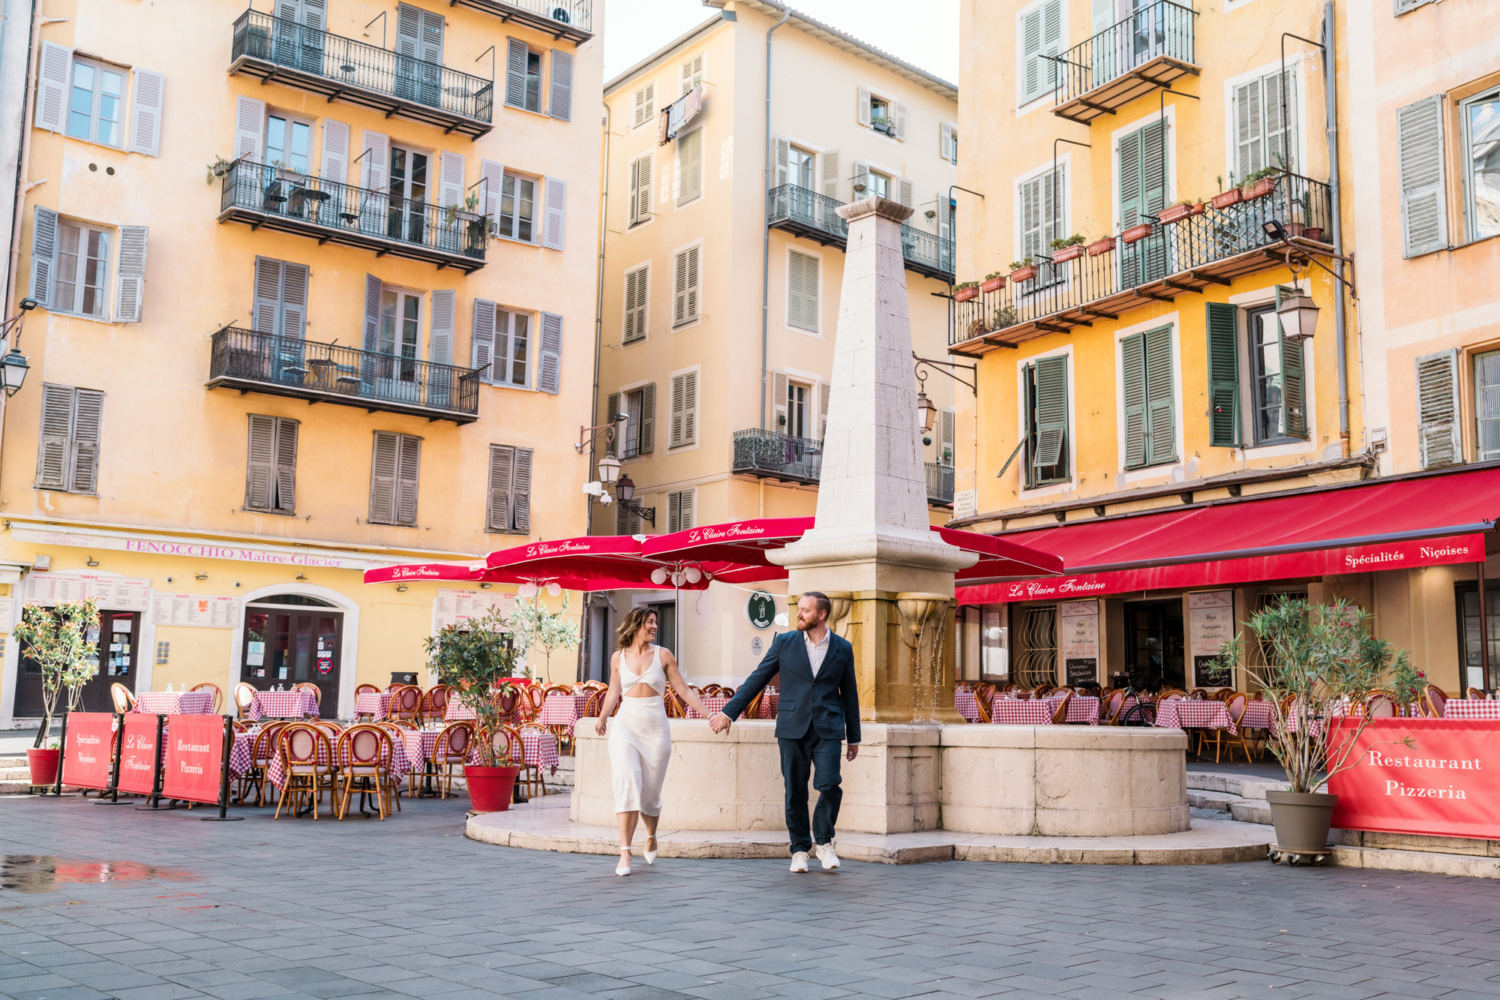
(640, 742)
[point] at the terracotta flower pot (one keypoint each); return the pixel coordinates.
(992, 284)
(1068, 253)
(1136, 233)
(1176, 213)
(44, 764)
(1224, 200)
(966, 294)
(1301, 819)
(1024, 273)
(1314, 233)
(490, 788)
(1259, 189)
(1101, 246)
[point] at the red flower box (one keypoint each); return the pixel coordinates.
(1024, 273)
(1101, 246)
(992, 284)
(1176, 213)
(1136, 233)
(1259, 189)
(1068, 253)
(965, 294)
(1227, 198)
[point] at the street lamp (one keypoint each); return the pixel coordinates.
(609, 470)
(13, 369)
(1299, 316)
(625, 487)
(927, 411)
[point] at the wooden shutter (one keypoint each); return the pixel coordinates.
(372, 312)
(904, 191)
(444, 308)
(645, 104)
(825, 390)
(626, 522)
(944, 216)
(633, 209)
(1161, 413)
(294, 300)
(145, 113)
(898, 120)
(555, 224)
(862, 107)
(260, 466)
(1031, 46)
(43, 253)
(376, 146)
(861, 180)
(1293, 375)
(313, 14)
(1402, 6)
(1281, 149)
(1424, 196)
(549, 367)
(482, 343)
(266, 309)
(515, 73)
(521, 493)
(1487, 406)
(783, 156)
(831, 174)
(945, 142)
(409, 464)
(1133, 375)
(492, 179)
(249, 128)
(430, 42)
(690, 165)
(684, 408)
(802, 291)
(408, 30)
(643, 194)
(286, 464)
(779, 389)
(453, 179)
(56, 438)
(692, 73)
(946, 431)
(1031, 216)
(131, 276)
(612, 413)
(1248, 132)
(647, 436)
(685, 287)
(1051, 411)
(1142, 192)
(560, 97)
(383, 478)
(1438, 438)
(1222, 323)
(674, 511)
(335, 161)
(1052, 45)
(54, 73)
(502, 464)
(88, 411)
(637, 290)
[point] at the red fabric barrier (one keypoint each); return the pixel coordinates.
(138, 754)
(193, 767)
(90, 749)
(1447, 784)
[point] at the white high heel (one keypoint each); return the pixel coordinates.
(623, 868)
(650, 855)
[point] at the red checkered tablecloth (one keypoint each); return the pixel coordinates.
(540, 750)
(716, 703)
(376, 704)
(563, 710)
(1183, 713)
(457, 711)
(1016, 712)
(400, 763)
(175, 702)
(239, 755)
(283, 705)
(967, 704)
(1471, 708)
(1258, 715)
(1083, 708)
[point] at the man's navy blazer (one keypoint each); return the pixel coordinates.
(828, 703)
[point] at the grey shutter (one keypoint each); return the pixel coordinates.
(1424, 196)
(260, 465)
(626, 522)
(453, 180)
(647, 437)
(637, 289)
(679, 400)
(1487, 406)
(1133, 375)
(313, 14)
(944, 216)
(1402, 6)
(376, 147)
(440, 345)
(1051, 410)
(557, 214)
(945, 142)
(898, 120)
(408, 467)
(861, 180)
(1161, 414)
(145, 113)
(779, 389)
(674, 511)
(685, 287)
(689, 408)
(131, 274)
(482, 344)
(692, 73)
(383, 478)
(88, 412)
(802, 291)
(266, 309)
(431, 45)
(904, 191)
(612, 412)
(492, 179)
(43, 254)
(408, 30)
(1031, 45)
(515, 73)
(831, 174)
(1222, 323)
(1249, 154)
(335, 160)
(1438, 437)
(502, 459)
(1281, 147)
(825, 390)
(286, 464)
(560, 98)
(249, 128)
(1052, 45)
(549, 367)
(946, 430)
(54, 72)
(56, 437)
(862, 107)
(369, 363)
(690, 165)
(783, 155)
(640, 189)
(521, 493)
(294, 300)
(1293, 375)
(1031, 217)
(645, 104)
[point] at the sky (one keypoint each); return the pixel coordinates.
(921, 32)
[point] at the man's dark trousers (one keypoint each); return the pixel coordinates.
(800, 758)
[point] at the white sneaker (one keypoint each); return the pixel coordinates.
(827, 857)
(799, 862)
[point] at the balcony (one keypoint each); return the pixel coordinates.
(330, 212)
(278, 50)
(1127, 60)
(1213, 248)
(806, 213)
(788, 459)
(328, 373)
(570, 19)
(939, 484)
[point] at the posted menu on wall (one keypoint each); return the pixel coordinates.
(196, 610)
(112, 592)
(1210, 626)
(454, 606)
(1078, 636)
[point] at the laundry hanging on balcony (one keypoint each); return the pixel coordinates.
(680, 114)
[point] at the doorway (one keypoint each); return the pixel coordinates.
(1036, 648)
(114, 647)
(408, 190)
(285, 646)
(1155, 653)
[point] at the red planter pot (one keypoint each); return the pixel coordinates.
(1176, 213)
(1136, 233)
(44, 764)
(1024, 273)
(966, 294)
(992, 284)
(1101, 246)
(1314, 233)
(1068, 253)
(1230, 197)
(1259, 189)
(490, 788)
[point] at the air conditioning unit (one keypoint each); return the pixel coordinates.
(561, 14)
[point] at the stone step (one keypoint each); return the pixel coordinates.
(1245, 786)
(1219, 801)
(1430, 862)
(1251, 811)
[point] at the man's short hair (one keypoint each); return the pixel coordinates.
(824, 604)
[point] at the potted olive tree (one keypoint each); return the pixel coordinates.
(56, 640)
(473, 658)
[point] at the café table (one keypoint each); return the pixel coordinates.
(1184, 713)
(1021, 711)
(563, 711)
(1471, 708)
(716, 702)
(399, 764)
(967, 704)
(375, 704)
(174, 703)
(282, 705)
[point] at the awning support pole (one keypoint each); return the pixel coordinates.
(1484, 638)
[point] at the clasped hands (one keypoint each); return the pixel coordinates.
(720, 724)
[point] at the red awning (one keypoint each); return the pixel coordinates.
(424, 571)
(591, 562)
(1421, 520)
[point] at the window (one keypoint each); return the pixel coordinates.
(1262, 134)
(271, 465)
(627, 522)
(880, 113)
(802, 310)
(1487, 406)
(947, 426)
(680, 515)
(1043, 220)
(393, 478)
(690, 166)
(68, 452)
(685, 408)
(640, 190)
(877, 185)
(685, 288)
(948, 142)
(1439, 442)
(70, 266)
(637, 294)
(799, 401)
(1402, 6)
(509, 507)
(280, 305)
(1480, 117)
(517, 209)
(503, 340)
(692, 73)
(96, 97)
(289, 144)
(1143, 190)
(1150, 412)
(645, 105)
(1278, 381)
(1424, 194)
(409, 191)
(399, 336)
(1041, 35)
(82, 269)
(800, 167)
(637, 435)
(1045, 385)
(523, 76)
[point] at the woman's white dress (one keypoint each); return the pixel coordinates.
(640, 741)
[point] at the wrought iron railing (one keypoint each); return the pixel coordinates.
(322, 203)
(356, 64)
(926, 252)
(1302, 205)
(809, 213)
(939, 483)
(293, 366)
(782, 455)
(576, 14)
(1159, 28)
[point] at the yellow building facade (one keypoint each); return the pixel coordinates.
(308, 292)
(723, 265)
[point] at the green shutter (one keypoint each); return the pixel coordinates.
(1133, 362)
(1143, 191)
(1161, 427)
(1223, 375)
(1293, 379)
(1051, 411)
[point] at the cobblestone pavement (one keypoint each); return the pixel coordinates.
(409, 908)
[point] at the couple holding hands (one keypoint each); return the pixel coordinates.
(818, 709)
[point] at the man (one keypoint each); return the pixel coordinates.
(819, 706)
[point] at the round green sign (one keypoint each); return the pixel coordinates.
(762, 609)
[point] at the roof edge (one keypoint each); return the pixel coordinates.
(610, 86)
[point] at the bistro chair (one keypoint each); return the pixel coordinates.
(1222, 740)
(1042, 690)
(532, 701)
(1200, 694)
(435, 703)
(451, 751)
(1380, 706)
(360, 689)
(317, 692)
(307, 762)
(1434, 702)
(263, 747)
(123, 698)
(507, 745)
(595, 704)
(1060, 713)
(244, 697)
(212, 689)
(406, 704)
(752, 710)
(508, 703)
(1111, 707)
(536, 782)
(676, 707)
(364, 755)
(1475, 693)
(548, 689)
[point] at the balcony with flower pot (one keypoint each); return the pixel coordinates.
(1131, 58)
(810, 215)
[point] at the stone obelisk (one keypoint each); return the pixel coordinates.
(872, 545)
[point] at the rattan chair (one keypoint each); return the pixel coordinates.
(263, 750)
(595, 704)
(360, 689)
(536, 782)
(1475, 693)
(244, 697)
(122, 696)
(1060, 713)
(406, 704)
(450, 752)
(307, 764)
(1111, 707)
(435, 703)
(1434, 702)
(752, 710)
(1222, 739)
(364, 754)
(531, 702)
(317, 692)
(214, 690)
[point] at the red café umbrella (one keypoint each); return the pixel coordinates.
(591, 562)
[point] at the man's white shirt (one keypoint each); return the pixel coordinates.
(817, 650)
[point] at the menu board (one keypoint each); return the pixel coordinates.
(453, 606)
(7, 612)
(1078, 633)
(196, 610)
(112, 592)
(1210, 626)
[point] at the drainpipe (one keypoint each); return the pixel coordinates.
(23, 169)
(599, 313)
(765, 253)
(1330, 85)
